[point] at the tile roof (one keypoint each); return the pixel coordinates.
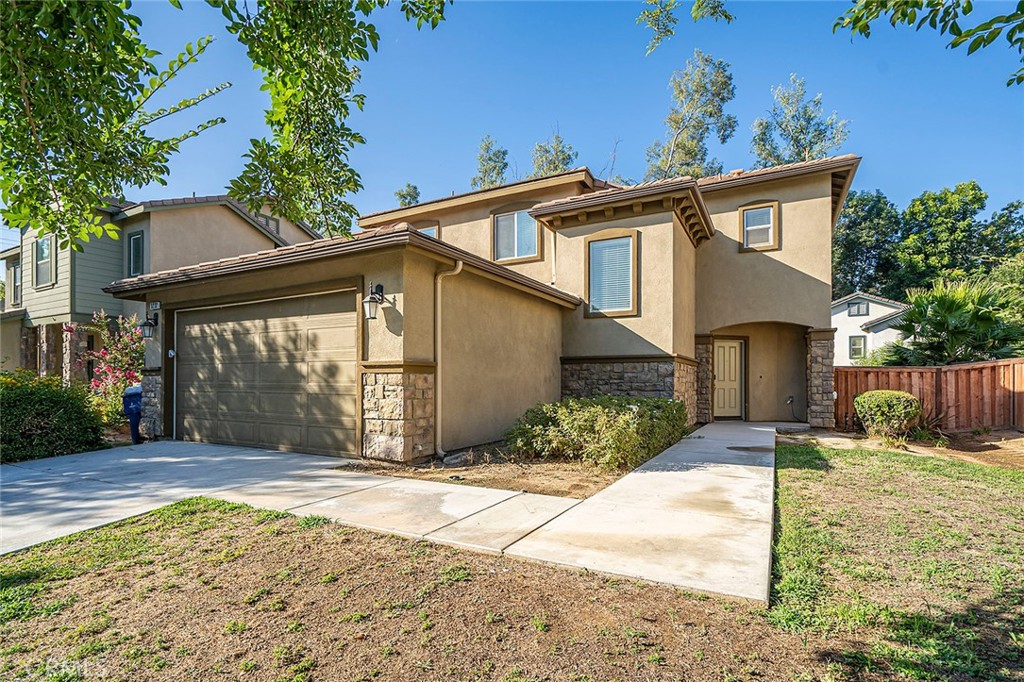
(786, 169)
(615, 193)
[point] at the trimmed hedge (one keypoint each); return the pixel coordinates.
(887, 414)
(40, 417)
(611, 432)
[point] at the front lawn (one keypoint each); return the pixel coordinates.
(889, 566)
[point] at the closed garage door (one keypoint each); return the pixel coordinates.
(277, 374)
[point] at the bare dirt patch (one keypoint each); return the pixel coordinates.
(1001, 448)
(490, 467)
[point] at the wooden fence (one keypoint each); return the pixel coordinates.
(964, 397)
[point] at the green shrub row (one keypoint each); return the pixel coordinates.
(611, 432)
(40, 417)
(887, 414)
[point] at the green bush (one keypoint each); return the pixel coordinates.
(40, 417)
(887, 414)
(611, 432)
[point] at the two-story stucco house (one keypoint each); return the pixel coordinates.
(863, 322)
(48, 287)
(436, 326)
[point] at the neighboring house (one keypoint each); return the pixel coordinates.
(439, 324)
(48, 287)
(863, 322)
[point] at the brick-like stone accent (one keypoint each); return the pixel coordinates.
(704, 351)
(641, 379)
(75, 344)
(398, 415)
(51, 341)
(152, 425)
(820, 378)
(686, 389)
(30, 347)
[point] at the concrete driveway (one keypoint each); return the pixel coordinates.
(47, 498)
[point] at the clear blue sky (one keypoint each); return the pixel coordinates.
(922, 116)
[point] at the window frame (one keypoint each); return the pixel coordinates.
(515, 209)
(857, 304)
(51, 261)
(271, 223)
(864, 348)
(421, 225)
(634, 284)
(17, 283)
(142, 255)
(776, 226)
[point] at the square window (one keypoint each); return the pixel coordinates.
(610, 282)
(857, 309)
(858, 347)
(515, 236)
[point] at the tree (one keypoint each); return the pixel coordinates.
(955, 322)
(864, 244)
(76, 78)
(492, 165)
(408, 195)
(1009, 274)
(699, 93)
(796, 128)
(944, 16)
(943, 237)
(552, 156)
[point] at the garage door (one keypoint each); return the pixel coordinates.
(277, 374)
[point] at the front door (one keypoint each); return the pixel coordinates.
(728, 378)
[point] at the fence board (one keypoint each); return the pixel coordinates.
(962, 397)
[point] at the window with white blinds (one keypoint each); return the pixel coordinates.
(515, 236)
(757, 226)
(611, 274)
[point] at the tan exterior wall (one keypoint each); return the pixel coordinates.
(10, 344)
(499, 356)
(685, 287)
(792, 284)
(776, 369)
(200, 234)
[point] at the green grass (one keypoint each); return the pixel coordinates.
(919, 556)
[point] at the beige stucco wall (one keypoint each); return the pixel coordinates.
(10, 344)
(792, 284)
(499, 356)
(777, 357)
(199, 234)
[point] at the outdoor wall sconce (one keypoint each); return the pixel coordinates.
(372, 301)
(149, 326)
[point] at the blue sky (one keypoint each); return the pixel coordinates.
(922, 116)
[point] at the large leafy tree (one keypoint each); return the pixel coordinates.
(700, 93)
(948, 17)
(492, 165)
(552, 156)
(76, 78)
(944, 236)
(960, 321)
(796, 128)
(1009, 274)
(408, 195)
(864, 244)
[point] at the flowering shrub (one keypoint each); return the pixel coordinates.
(117, 365)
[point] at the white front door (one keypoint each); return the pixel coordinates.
(728, 378)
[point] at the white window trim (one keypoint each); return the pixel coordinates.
(515, 238)
(633, 308)
(131, 263)
(770, 226)
(863, 350)
(49, 261)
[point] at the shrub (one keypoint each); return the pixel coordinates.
(611, 432)
(887, 414)
(41, 417)
(118, 364)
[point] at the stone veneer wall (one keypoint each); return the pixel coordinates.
(75, 342)
(50, 343)
(705, 377)
(30, 347)
(686, 389)
(398, 415)
(668, 378)
(820, 378)
(152, 425)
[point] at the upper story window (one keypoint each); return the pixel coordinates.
(270, 222)
(611, 275)
(858, 347)
(857, 309)
(759, 226)
(16, 284)
(429, 231)
(44, 274)
(516, 236)
(136, 253)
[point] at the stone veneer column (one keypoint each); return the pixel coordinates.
(820, 378)
(30, 347)
(704, 350)
(398, 415)
(75, 343)
(152, 425)
(50, 342)
(686, 388)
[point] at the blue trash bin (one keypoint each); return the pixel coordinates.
(131, 403)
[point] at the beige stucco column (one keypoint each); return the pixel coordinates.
(820, 378)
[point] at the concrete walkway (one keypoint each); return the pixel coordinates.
(699, 515)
